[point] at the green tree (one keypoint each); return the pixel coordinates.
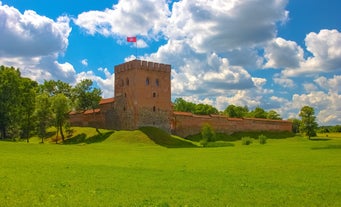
(9, 99)
(207, 134)
(87, 97)
(272, 114)
(43, 114)
(230, 111)
(181, 105)
(28, 93)
(308, 124)
(258, 112)
(295, 125)
(205, 109)
(236, 111)
(53, 88)
(61, 108)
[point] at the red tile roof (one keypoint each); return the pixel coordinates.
(90, 111)
(107, 100)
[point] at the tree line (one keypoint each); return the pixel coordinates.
(230, 111)
(28, 108)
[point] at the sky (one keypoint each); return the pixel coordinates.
(279, 55)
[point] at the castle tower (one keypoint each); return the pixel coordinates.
(143, 95)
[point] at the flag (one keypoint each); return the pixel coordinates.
(131, 39)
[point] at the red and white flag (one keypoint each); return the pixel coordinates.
(131, 39)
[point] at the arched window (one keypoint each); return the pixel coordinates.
(127, 81)
(157, 82)
(154, 108)
(154, 94)
(147, 81)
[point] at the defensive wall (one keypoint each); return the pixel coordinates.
(184, 124)
(143, 98)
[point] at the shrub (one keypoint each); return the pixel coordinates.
(262, 139)
(246, 140)
(207, 134)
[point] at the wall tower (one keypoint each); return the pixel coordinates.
(143, 95)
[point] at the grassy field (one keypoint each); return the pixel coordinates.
(123, 168)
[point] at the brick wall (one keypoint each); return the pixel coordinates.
(184, 124)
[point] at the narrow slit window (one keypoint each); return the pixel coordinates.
(147, 81)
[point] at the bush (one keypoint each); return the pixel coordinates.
(207, 134)
(262, 139)
(246, 140)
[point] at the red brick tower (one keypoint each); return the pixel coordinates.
(143, 95)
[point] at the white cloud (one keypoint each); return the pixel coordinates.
(325, 48)
(225, 25)
(33, 43)
(126, 18)
(31, 35)
(281, 53)
(284, 82)
(106, 84)
(85, 62)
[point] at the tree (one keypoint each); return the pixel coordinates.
(43, 114)
(207, 134)
(295, 125)
(53, 88)
(28, 94)
(87, 97)
(181, 105)
(308, 124)
(272, 114)
(205, 109)
(9, 99)
(61, 109)
(258, 112)
(236, 111)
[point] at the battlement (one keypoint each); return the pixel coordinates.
(142, 65)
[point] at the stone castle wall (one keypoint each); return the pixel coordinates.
(143, 98)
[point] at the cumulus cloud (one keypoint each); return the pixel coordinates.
(84, 62)
(106, 84)
(325, 103)
(284, 82)
(126, 18)
(281, 53)
(30, 34)
(225, 25)
(325, 48)
(33, 43)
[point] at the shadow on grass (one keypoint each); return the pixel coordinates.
(319, 139)
(82, 138)
(335, 146)
(164, 139)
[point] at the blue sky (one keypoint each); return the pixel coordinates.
(279, 55)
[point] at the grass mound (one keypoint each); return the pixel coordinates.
(164, 139)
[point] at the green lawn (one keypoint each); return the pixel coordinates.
(128, 169)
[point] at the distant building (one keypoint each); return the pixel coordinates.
(143, 98)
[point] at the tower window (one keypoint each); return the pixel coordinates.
(154, 108)
(147, 81)
(154, 94)
(127, 81)
(157, 82)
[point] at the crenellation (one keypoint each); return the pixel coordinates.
(135, 105)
